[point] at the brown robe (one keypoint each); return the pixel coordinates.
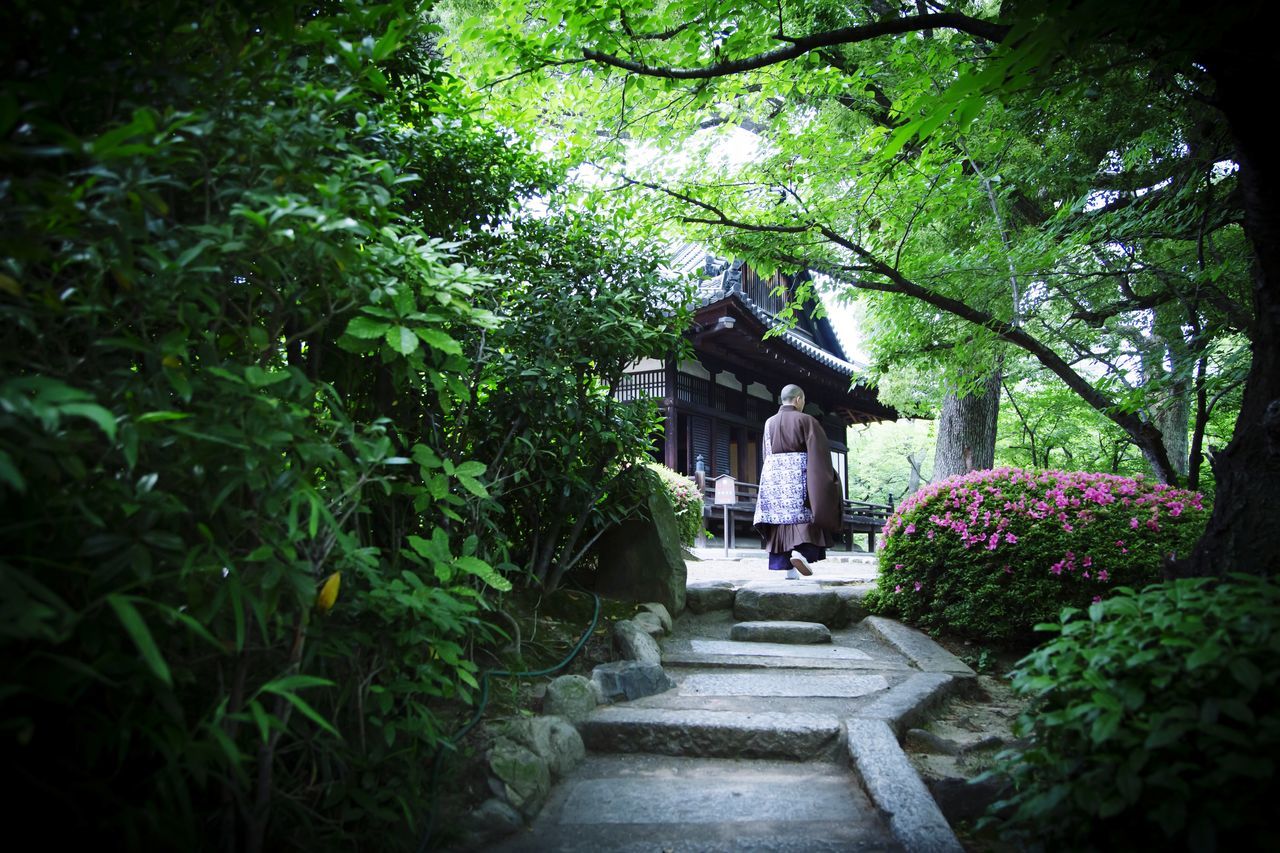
(791, 431)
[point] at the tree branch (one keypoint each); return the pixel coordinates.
(1144, 434)
(1137, 303)
(845, 35)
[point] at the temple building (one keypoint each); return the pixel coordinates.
(716, 403)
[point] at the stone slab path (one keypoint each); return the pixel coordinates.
(762, 746)
(649, 804)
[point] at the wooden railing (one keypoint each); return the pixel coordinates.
(693, 389)
(642, 385)
(856, 516)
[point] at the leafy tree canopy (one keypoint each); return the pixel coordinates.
(1089, 216)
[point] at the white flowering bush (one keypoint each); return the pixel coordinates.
(686, 499)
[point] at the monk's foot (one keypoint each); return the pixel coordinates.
(800, 563)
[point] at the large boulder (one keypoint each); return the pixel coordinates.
(634, 643)
(629, 679)
(640, 560)
(571, 697)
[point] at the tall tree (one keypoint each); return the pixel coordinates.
(889, 124)
(967, 430)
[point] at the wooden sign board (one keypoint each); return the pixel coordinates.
(726, 490)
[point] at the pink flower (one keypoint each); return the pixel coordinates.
(1067, 527)
(897, 565)
(917, 586)
(1103, 576)
(897, 588)
(1011, 539)
(1097, 598)
(910, 528)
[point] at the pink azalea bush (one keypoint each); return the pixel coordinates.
(992, 553)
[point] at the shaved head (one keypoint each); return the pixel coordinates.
(791, 393)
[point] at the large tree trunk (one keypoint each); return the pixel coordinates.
(1171, 420)
(1172, 409)
(967, 432)
(1243, 534)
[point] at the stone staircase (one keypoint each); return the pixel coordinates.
(780, 734)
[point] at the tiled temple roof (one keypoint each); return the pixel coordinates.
(720, 279)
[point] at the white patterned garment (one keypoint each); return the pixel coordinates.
(782, 487)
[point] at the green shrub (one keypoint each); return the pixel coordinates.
(1155, 721)
(685, 498)
(244, 355)
(582, 303)
(991, 553)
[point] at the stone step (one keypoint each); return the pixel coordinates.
(798, 633)
(648, 803)
(705, 733)
(893, 695)
(845, 652)
(795, 601)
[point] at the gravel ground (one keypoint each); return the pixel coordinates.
(744, 565)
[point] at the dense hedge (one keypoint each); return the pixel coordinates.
(271, 446)
(1154, 724)
(991, 553)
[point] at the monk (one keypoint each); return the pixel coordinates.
(798, 512)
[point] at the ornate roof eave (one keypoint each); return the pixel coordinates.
(768, 322)
(731, 327)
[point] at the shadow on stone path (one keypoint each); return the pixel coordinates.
(789, 744)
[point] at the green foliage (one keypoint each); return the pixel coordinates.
(990, 554)
(685, 499)
(880, 454)
(1044, 425)
(1064, 190)
(245, 355)
(583, 304)
(1154, 721)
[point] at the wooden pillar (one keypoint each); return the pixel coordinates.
(713, 464)
(671, 424)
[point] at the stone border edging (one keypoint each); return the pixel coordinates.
(918, 647)
(896, 789)
(906, 704)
